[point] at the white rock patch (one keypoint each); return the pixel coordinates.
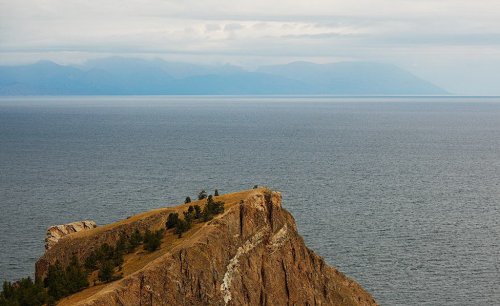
(232, 267)
(278, 239)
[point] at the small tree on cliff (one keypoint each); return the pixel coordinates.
(181, 227)
(211, 209)
(197, 212)
(76, 277)
(134, 240)
(106, 272)
(152, 241)
(24, 292)
(91, 261)
(189, 216)
(202, 195)
(216, 193)
(122, 245)
(172, 220)
(187, 200)
(56, 281)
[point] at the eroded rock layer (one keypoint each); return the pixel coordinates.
(56, 232)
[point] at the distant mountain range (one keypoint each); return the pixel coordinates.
(124, 76)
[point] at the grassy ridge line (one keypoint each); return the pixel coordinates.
(227, 198)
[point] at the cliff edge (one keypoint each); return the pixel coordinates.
(251, 254)
(56, 232)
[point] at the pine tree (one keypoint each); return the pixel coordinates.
(24, 292)
(122, 245)
(172, 220)
(197, 212)
(56, 281)
(152, 241)
(134, 240)
(106, 272)
(91, 261)
(189, 216)
(202, 195)
(182, 227)
(76, 278)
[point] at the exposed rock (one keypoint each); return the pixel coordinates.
(250, 255)
(56, 232)
(81, 244)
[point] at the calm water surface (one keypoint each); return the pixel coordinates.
(401, 194)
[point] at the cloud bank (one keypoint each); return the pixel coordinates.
(436, 39)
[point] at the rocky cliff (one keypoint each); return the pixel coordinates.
(56, 232)
(252, 254)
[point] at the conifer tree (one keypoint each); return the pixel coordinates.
(202, 195)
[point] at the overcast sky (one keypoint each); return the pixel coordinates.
(453, 43)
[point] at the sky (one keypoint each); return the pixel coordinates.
(453, 43)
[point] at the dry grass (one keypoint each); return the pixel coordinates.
(80, 296)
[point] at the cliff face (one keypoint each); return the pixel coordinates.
(250, 255)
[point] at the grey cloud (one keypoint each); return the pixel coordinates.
(450, 39)
(233, 27)
(212, 27)
(326, 35)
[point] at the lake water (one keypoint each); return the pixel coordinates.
(402, 194)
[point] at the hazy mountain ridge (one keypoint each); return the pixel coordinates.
(355, 78)
(123, 76)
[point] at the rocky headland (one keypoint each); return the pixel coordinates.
(251, 254)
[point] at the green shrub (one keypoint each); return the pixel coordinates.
(187, 200)
(134, 240)
(24, 292)
(63, 282)
(56, 281)
(216, 193)
(212, 208)
(122, 246)
(91, 261)
(202, 195)
(172, 220)
(189, 215)
(206, 215)
(197, 212)
(76, 276)
(182, 227)
(106, 251)
(152, 241)
(106, 271)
